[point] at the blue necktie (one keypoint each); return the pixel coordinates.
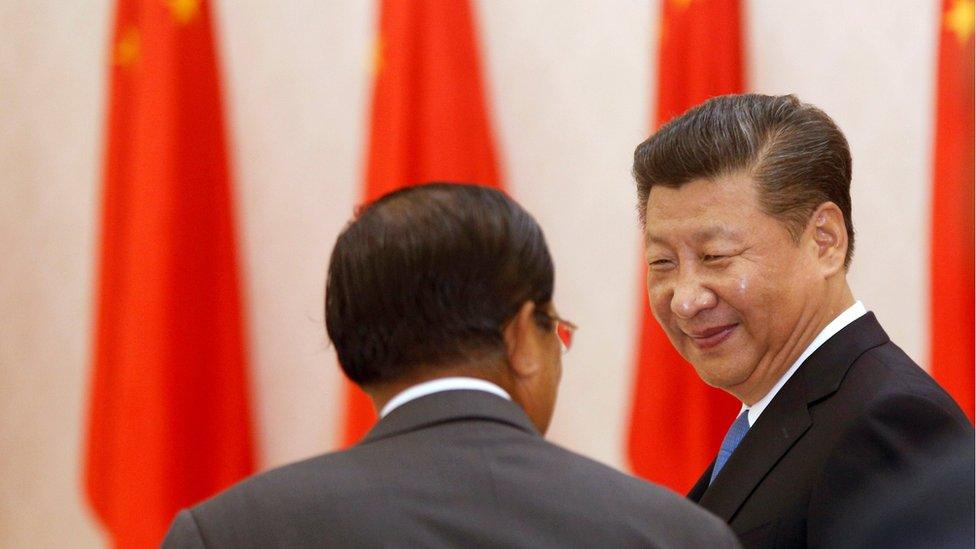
(732, 439)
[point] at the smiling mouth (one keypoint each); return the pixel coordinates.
(712, 337)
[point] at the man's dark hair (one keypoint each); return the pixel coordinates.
(428, 275)
(793, 151)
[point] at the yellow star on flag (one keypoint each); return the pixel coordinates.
(681, 4)
(127, 48)
(184, 10)
(376, 57)
(959, 19)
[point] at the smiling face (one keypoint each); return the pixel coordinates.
(737, 297)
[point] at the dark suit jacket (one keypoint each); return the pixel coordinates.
(857, 410)
(923, 507)
(452, 469)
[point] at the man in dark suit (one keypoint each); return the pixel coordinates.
(439, 305)
(745, 201)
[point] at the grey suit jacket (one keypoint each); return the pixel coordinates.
(452, 469)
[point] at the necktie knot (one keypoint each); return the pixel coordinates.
(737, 431)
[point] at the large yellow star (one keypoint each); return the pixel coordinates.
(127, 48)
(959, 19)
(184, 10)
(681, 4)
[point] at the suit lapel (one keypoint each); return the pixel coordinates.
(698, 490)
(780, 426)
(787, 418)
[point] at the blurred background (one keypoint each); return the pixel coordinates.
(569, 88)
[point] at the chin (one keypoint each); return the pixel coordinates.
(719, 378)
(713, 381)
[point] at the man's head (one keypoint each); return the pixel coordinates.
(745, 201)
(445, 279)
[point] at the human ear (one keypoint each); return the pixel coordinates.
(830, 236)
(522, 342)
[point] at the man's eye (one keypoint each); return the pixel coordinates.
(713, 258)
(659, 264)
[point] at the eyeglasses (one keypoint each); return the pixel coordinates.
(564, 331)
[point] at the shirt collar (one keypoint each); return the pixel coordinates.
(439, 385)
(852, 313)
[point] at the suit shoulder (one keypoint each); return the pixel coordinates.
(283, 487)
(890, 418)
(183, 533)
(888, 414)
(648, 510)
(887, 381)
(254, 512)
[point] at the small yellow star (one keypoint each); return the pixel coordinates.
(376, 57)
(959, 19)
(184, 10)
(127, 48)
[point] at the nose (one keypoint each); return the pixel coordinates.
(691, 296)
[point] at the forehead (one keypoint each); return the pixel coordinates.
(707, 207)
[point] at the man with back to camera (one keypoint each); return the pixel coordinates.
(745, 202)
(439, 305)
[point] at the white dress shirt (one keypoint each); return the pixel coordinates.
(852, 313)
(439, 385)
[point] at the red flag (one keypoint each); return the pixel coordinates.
(429, 119)
(169, 416)
(677, 422)
(952, 272)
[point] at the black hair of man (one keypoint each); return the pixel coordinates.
(427, 276)
(794, 152)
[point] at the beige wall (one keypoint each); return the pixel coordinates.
(570, 84)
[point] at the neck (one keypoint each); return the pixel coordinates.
(765, 376)
(382, 393)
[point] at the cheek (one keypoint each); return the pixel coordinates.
(736, 289)
(659, 300)
(749, 294)
(661, 311)
(762, 298)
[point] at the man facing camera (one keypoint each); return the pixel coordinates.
(439, 305)
(746, 207)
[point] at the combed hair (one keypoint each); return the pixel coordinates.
(428, 275)
(793, 151)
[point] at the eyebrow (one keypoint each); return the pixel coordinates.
(702, 235)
